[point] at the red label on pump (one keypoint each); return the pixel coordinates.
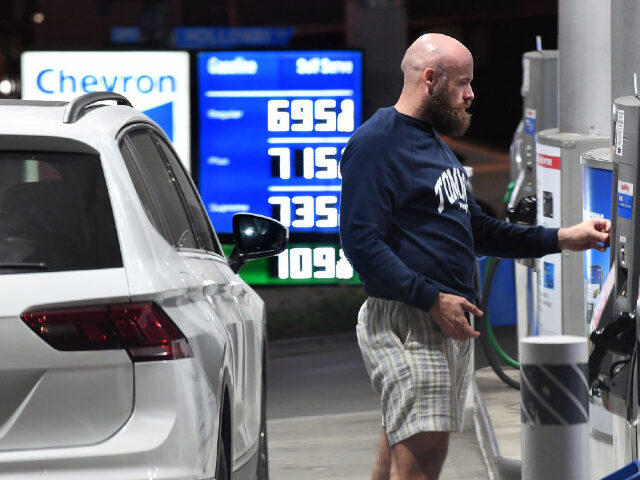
(549, 161)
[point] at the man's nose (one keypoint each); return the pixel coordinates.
(468, 93)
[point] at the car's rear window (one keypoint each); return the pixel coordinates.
(55, 214)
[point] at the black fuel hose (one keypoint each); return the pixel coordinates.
(484, 326)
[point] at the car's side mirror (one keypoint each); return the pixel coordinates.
(255, 236)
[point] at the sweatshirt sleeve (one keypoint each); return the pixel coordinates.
(373, 187)
(503, 239)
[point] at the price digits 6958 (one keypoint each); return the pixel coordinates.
(305, 115)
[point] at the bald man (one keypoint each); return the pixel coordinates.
(412, 230)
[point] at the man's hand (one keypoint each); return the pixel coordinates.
(448, 313)
(592, 233)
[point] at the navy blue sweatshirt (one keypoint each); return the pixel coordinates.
(408, 225)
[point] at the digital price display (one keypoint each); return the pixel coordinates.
(301, 264)
(273, 126)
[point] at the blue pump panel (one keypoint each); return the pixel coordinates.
(597, 184)
(502, 297)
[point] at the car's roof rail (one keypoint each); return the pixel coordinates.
(77, 105)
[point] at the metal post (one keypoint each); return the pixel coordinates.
(585, 66)
(555, 407)
(625, 55)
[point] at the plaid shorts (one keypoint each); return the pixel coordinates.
(421, 375)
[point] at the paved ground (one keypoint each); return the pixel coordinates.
(324, 419)
(342, 447)
(502, 404)
(339, 446)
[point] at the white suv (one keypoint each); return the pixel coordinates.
(129, 347)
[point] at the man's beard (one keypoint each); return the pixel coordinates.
(445, 118)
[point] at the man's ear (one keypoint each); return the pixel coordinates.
(429, 77)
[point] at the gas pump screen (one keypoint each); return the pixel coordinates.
(272, 128)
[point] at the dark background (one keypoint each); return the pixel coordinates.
(497, 32)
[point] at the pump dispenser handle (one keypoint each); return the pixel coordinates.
(619, 337)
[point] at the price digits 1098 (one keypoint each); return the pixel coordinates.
(304, 115)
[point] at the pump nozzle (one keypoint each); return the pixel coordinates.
(524, 211)
(538, 43)
(618, 337)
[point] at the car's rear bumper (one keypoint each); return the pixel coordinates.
(171, 434)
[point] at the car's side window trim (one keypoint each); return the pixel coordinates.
(158, 214)
(191, 229)
(124, 136)
(151, 189)
(214, 238)
(176, 185)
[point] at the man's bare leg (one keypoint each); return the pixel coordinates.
(420, 457)
(382, 470)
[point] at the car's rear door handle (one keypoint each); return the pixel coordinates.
(212, 288)
(236, 288)
(232, 289)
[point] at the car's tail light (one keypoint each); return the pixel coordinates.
(143, 329)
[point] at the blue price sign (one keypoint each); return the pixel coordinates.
(273, 126)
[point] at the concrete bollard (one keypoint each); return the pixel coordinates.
(554, 408)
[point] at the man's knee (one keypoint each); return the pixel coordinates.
(425, 441)
(424, 452)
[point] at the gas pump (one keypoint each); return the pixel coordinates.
(583, 124)
(561, 296)
(539, 87)
(613, 363)
(597, 175)
(540, 111)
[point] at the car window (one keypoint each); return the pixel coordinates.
(150, 207)
(192, 198)
(55, 213)
(162, 188)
